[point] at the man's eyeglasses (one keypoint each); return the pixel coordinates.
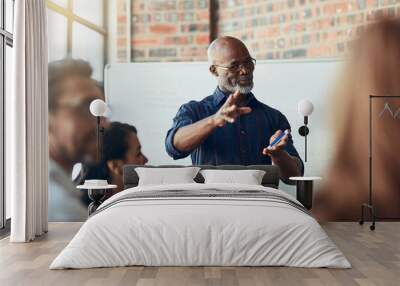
(249, 64)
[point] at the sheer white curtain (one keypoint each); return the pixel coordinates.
(26, 117)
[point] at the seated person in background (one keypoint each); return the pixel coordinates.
(373, 69)
(120, 147)
(231, 126)
(72, 134)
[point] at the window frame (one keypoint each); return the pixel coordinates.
(68, 12)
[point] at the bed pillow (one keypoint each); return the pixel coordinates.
(248, 177)
(166, 176)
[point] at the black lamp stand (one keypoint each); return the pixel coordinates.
(303, 131)
(99, 134)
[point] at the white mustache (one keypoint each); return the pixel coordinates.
(245, 78)
(235, 86)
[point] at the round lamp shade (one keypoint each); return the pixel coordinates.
(305, 107)
(98, 107)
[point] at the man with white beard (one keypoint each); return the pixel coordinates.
(231, 126)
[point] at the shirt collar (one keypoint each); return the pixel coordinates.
(220, 96)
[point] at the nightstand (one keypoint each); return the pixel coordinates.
(97, 190)
(304, 190)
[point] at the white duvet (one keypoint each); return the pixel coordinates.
(185, 231)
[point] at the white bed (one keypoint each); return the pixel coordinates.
(225, 225)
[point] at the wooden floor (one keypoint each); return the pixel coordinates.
(375, 257)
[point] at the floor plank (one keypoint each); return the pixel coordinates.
(375, 257)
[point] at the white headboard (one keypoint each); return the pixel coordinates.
(148, 96)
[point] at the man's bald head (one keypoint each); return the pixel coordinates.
(224, 48)
(231, 63)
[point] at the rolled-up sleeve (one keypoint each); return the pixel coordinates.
(185, 116)
(283, 125)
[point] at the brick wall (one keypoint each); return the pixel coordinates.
(299, 28)
(178, 30)
(123, 30)
(172, 30)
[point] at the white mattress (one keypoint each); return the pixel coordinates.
(183, 231)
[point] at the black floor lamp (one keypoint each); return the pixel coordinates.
(370, 205)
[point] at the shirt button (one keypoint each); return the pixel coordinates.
(243, 132)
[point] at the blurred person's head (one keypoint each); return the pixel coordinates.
(72, 128)
(373, 69)
(121, 146)
(232, 64)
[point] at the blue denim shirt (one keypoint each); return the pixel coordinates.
(239, 143)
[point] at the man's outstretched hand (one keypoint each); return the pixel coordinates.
(230, 110)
